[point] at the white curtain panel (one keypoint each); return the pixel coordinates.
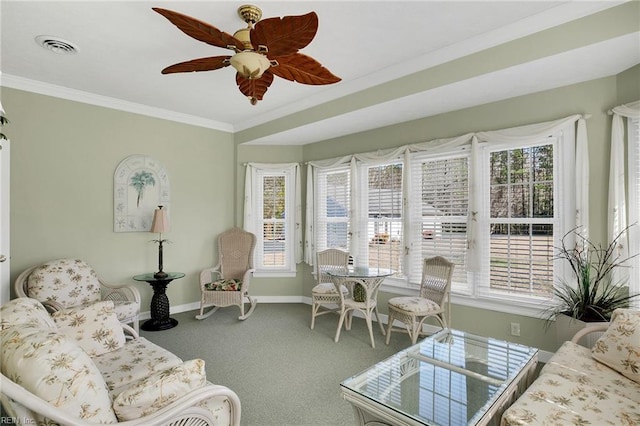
(618, 199)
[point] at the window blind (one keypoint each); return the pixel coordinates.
(440, 202)
(333, 206)
(521, 224)
(382, 245)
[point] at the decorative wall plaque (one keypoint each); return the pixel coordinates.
(140, 185)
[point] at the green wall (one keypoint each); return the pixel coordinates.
(63, 156)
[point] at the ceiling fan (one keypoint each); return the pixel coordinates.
(263, 49)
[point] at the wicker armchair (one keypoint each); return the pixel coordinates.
(433, 301)
(227, 283)
(324, 293)
(66, 283)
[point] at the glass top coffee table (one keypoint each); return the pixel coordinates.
(449, 378)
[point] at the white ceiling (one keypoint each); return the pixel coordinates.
(123, 46)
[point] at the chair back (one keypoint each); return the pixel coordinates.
(235, 249)
(69, 282)
(437, 273)
(330, 260)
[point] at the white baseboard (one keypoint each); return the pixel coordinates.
(543, 356)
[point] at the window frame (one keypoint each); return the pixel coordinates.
(473, 294)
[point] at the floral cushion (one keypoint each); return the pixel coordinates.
(224, 285)
(126, 310)
(24, 311)
(56, 369)
(159, 390)
(95, 327)
(574, 362)
(554, 400)
(136, 360)
(619, 347)
(328, 288)
(70, 282)
(415, 305)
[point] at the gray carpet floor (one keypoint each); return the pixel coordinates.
(284, 372)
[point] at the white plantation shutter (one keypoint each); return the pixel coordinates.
(439, 203)
(333, 205)
(522, 219)
(381, 233)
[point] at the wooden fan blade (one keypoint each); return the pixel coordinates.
(284, 36)
(201, 64)
(200, 30)
(303, 69)
(254, 89)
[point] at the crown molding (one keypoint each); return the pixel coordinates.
(53, 90)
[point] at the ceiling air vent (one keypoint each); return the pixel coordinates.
(56, 44)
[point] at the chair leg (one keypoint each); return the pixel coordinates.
(253, 301)
(343, 314)
(368, 319)
(379, 322)
(390, 319)
(314, 310)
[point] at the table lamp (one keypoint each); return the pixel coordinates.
(160, 224)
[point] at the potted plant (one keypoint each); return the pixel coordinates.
(592, 293)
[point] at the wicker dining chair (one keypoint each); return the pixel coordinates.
(324, 295)
(433, 300)
(227, 283)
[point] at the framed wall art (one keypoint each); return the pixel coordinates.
(140, 185)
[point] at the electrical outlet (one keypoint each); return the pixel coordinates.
(515, 329)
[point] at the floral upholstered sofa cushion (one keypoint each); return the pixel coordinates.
(619, 347)
(69, 282)
(159, 390)
(56, 369)
(95, 327)
(575, 388)
(25, 311)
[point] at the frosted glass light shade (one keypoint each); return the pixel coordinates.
(250, 64)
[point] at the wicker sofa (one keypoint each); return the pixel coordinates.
(81, 366)
(587, 386)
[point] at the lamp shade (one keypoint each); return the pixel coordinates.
(160, 222)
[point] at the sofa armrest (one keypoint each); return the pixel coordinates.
(25, 405)
(598, 327)
(120, 292)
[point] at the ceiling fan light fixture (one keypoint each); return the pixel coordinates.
(250, 64)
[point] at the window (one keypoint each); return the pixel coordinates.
(381, 242)
(271, 219)
(521, 219)
(333, 205)
(394, 208)
(441, 195)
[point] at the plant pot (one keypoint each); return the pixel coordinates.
(567, 327)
